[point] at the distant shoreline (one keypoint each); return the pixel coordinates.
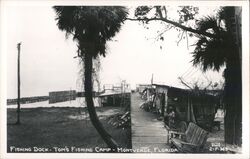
(78, 102)
(54, 97)
(25, 100)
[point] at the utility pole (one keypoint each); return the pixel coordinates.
(18, 83)
(152, 81)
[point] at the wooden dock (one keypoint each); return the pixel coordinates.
(147, 131)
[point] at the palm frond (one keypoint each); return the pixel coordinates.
(210, 24)
(206, 23)
(64, 18)
(213, 53)
(210, 54)
(91, 26)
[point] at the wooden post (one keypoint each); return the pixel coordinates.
(18, 83)
(188, 110)
(152, 79)
(166, 101)
(163, 103)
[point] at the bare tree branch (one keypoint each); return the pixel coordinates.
(159, 11)
(189, 29)
(180, 37)
(160, 34)
(187, 40)
(182, 81)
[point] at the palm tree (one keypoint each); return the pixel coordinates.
(215, 48)
(91, 27)
(213, 53)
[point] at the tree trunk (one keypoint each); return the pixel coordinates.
(233, 102)
(88, 64)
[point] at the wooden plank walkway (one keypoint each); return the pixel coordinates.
(147, 131)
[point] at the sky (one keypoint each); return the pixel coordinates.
(47, 62)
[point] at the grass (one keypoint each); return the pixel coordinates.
(216, 144)
(55, 127)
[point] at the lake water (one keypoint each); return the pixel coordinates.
(79, 102)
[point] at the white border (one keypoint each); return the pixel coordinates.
(245, 70)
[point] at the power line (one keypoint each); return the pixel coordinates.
(191, 73)
(206, 77)
(186, 71)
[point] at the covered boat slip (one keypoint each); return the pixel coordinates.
(115, 95)
(114, 98)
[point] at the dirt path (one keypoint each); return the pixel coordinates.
(147, 131)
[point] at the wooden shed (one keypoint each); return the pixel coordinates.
(190, 106)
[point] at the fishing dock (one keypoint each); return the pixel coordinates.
(147, 131)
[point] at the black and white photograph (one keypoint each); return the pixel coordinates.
(104, 79)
